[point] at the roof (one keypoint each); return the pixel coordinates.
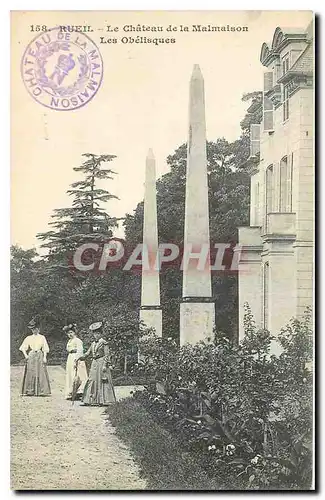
(305, 61)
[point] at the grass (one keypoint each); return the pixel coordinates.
(163, 464)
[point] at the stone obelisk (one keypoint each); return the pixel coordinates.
(150, 311)
(197, 310)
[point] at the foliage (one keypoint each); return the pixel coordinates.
(46, 286)
(255, 111)
(124, 331)
(246, 412)
(60, 299)
(85, 220)
(163, 464)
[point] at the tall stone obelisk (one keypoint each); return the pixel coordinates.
(150, 311)
(197, 310)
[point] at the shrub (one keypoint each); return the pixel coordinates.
(247, 413)
(162, 461)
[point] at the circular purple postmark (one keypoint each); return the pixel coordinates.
(62, 71)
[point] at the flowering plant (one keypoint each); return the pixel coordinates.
(246, 414)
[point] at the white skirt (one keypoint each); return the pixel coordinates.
(70, 374)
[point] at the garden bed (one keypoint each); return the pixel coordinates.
(163, 462)
(241, 415)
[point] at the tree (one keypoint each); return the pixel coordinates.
(254, 113)
(22, 303)
(86, 219)
(46, 286)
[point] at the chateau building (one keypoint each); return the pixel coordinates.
(276, 262)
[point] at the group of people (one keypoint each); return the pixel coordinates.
(94, 388)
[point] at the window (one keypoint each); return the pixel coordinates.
(284, 174)
(268, 194)
(266, 271)
(285, 185)
(269, 188)
(257, 204)
(285, 103)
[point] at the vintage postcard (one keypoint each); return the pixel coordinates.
(162, 248)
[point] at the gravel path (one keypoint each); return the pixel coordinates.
(59, 446)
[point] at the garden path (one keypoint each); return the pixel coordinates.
(59, 446)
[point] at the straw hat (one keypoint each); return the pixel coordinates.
(96, 326)
(34, 323)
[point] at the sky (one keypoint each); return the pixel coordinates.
(142, 103)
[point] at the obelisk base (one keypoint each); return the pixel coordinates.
(152, 318)
(197, 320)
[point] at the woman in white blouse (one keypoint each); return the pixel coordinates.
(35, 349)
(75, 350)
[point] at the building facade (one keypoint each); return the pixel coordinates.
(276, 263)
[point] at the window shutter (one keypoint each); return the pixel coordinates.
(268, 114)
(268, 81)
(278, 72)
(254, 139)
(267, 103)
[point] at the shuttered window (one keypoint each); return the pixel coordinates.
(254, 139)
(286, 169)
(257, 204)
(285, 103)
(269, 189)
(284, 184)
(267, 103)
(268, 81)
(269, 186)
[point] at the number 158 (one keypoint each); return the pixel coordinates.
(38, 27)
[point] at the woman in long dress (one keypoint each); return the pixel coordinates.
(35, 349)
(99, 390)
(75, 350)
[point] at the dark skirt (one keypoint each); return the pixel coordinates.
(99, 390)
(36, 380)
